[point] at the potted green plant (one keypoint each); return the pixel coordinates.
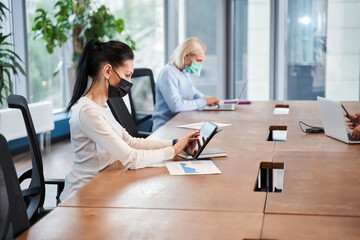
(9, 60)
(77, 19)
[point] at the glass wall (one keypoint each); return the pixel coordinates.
(239, 46)
(321, 49)
(5, 30)
(306, 49)
(322, 46)
(6, 21)
(144, 21)
(42, 84)
(343, 50)
(203, 19)
(250, 49)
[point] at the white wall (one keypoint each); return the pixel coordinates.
(343, 50)
(258, 87)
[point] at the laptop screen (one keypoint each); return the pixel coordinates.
(333, 120)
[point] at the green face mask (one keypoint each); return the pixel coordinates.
(193, 68)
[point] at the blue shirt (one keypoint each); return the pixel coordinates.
(175, 92)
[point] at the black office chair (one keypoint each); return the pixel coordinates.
(34, 195)
(13, 218)
(142, 98)
(123, 116)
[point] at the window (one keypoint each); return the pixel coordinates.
(343, 50)
(6, 28)
(250, 49)
(306, 49)
(316, 49)
(323, 49)
(43, 86)
(204, 19)
(320, 46)
(144, 21)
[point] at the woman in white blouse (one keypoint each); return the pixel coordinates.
(105, 68)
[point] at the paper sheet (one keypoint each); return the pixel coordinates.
(199, 125)
(279, 111)
(192, 167)
(279, 135)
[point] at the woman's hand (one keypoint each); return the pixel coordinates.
(356, 117)
(191, 147)
(356, 132)
(185, 141)
(212, 101)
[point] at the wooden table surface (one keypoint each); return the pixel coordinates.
(318, 183)
(118, 223)
(321, 187)
(299, 227)
(155, 188)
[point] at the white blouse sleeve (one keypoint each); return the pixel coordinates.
(96, 127)
(142, 143)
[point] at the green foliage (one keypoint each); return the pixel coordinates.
(9, 61)
(75, 18)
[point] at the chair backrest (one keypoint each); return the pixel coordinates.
(122, 115)
(34, 201)
(13, 217)
(142, 95)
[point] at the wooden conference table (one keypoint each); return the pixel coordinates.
(320, 199)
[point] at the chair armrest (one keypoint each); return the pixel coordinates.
(30, 191)
(25, 175)
(144, 134)
(143, 119)
(55, 181)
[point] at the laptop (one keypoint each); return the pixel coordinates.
(207, 131)
(332, 116)
(226, 106)
(221, 107)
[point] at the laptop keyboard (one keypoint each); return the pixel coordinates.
(226, 106)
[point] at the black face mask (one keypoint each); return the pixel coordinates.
(122, 89)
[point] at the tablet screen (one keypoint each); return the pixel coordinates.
(207, 131)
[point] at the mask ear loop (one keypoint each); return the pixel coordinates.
(198, 73)
(88, 85)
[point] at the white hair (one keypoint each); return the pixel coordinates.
(190, 46)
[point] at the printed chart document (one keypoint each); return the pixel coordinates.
(192, 167)
(198, 125)
(280, 111)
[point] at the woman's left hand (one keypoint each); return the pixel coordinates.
(212, 101)
(192, 145)
(356, 132)
(184, 142)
